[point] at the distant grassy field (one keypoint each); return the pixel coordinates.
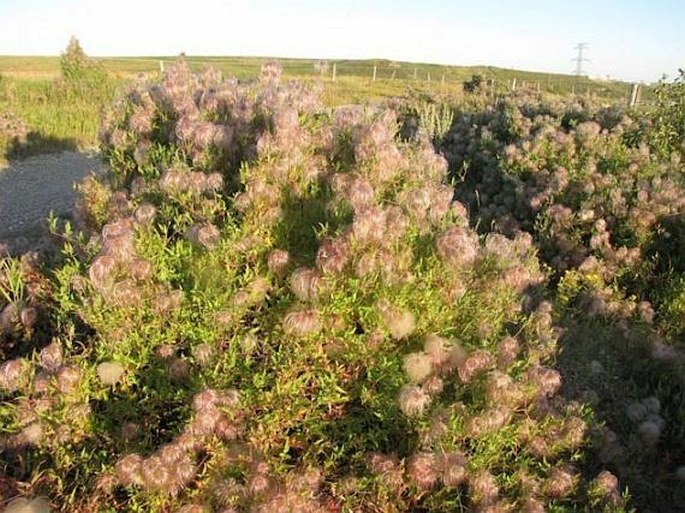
(60, 117)
(244, 67)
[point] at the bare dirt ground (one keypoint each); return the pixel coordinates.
(31, 188)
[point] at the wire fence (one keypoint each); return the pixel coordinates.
(492, 79)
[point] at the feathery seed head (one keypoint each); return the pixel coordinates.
(206, 235)
(305, 283)
(507, 351)
(452, 468)
(155, 473)
(303, 322)
(369, 226)
(380, 463)
(636, 411)
(560, 482)
(28, 317)
(483, 488)
(413, 401)
(501, 389)
(32, 434)
(145, 214)
(51, 356)
(457, 247)
(68, 378)
(179, 369)
(532, 505)
(476, 363)
(332, 256)
(574, 432)
(203, 354)
(547, 380)
(360, 193)
(652, 404)
(129, 431)
(129, 469)
(207, 399)
(140, 270)
(650, 431)
(606, 485)
(438, 349)
(421, 470)
(278, 261)
(433, 386)
(396, 222)
(101, 272)
(488, 422)
(270, 73)
(110, 372)
(418, 367)
(399, 322)
(184, 470)
(23, 505)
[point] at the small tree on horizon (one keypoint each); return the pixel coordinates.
(76, 65)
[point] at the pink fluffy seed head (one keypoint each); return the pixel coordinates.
(452, 468)
(129, 469)
(507, 351)
(304, 322)
(476, 363)
(305, 283)
(278, 261)
(421, 470)
(483, 488)
(400, 323)
(418, 367)
(457, 247)
(332, 256)
(413, 401)
(51, 356)
(360, 193)
(155, 473)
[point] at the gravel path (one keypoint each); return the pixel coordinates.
(31, 188)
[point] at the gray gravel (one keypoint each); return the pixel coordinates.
(31, 188)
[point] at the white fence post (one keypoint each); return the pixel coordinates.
(634, 95)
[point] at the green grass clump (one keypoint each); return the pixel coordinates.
(55, 115)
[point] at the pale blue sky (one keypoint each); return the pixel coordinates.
(629, 39)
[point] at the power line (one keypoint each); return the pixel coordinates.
(579, 59)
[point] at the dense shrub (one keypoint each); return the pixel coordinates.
(274, 307)
(667, 116)
(595, 200)
(474, 84)
(603, 203)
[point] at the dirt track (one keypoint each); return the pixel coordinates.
(31, 188)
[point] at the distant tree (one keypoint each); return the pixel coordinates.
(76, 66)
